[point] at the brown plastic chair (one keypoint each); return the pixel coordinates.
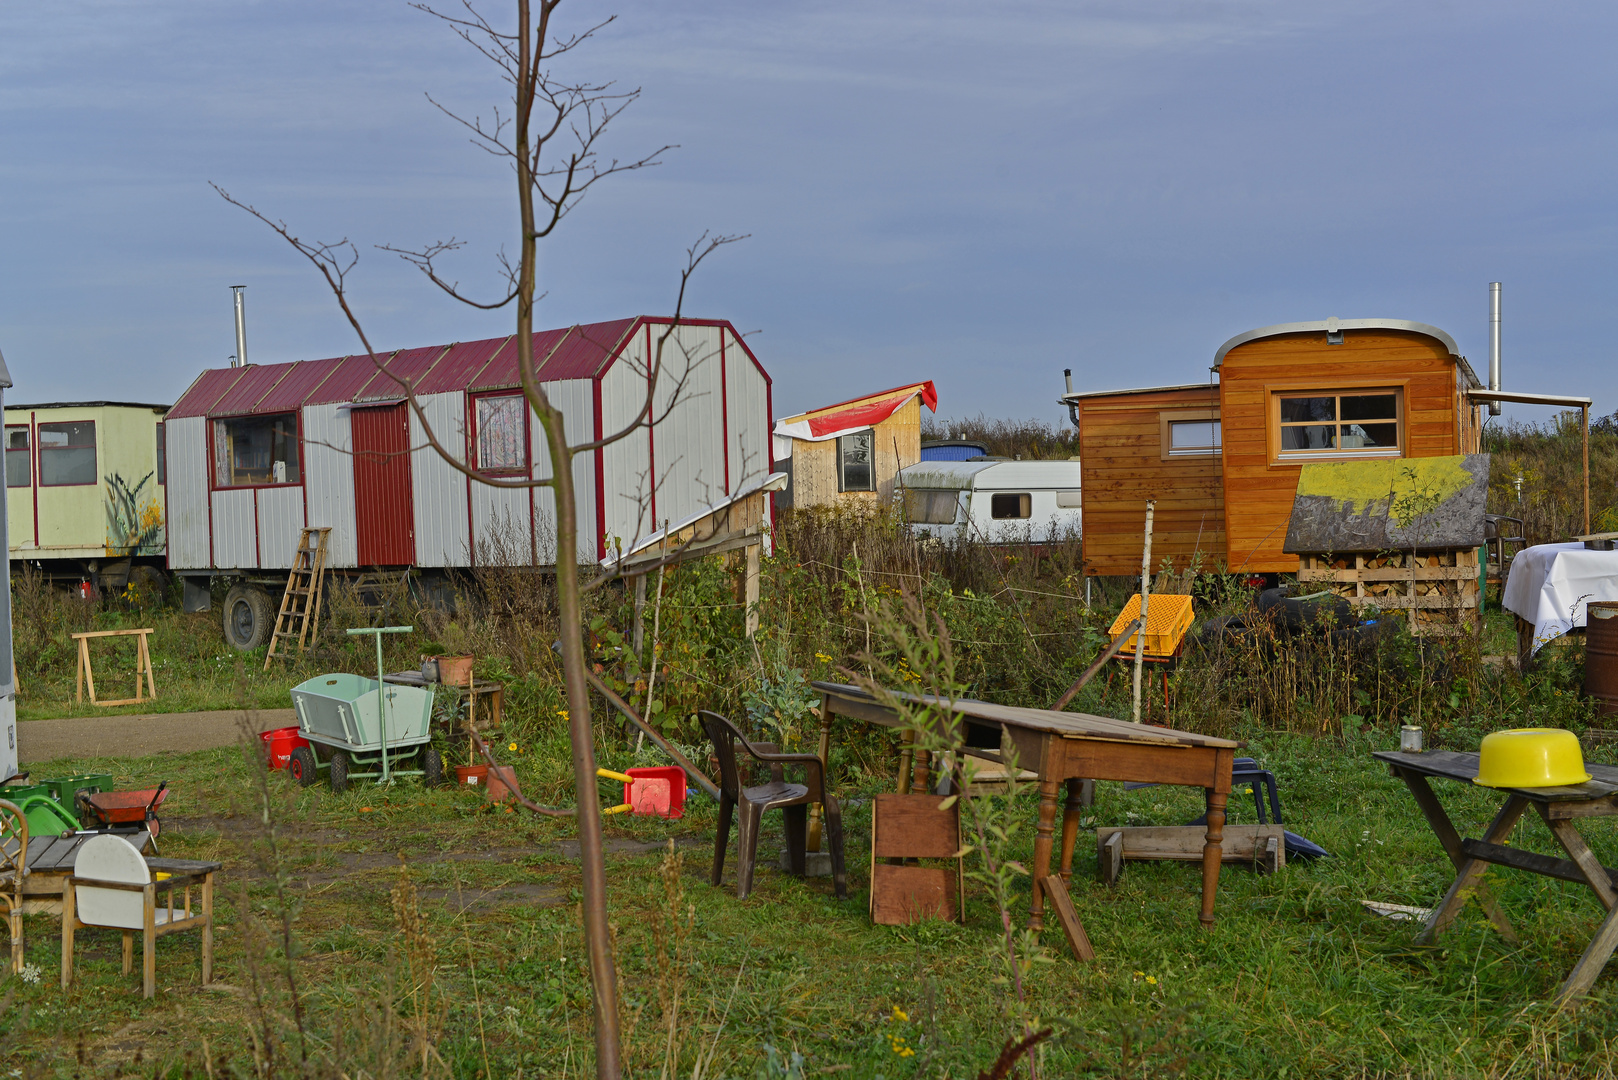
(792, 799)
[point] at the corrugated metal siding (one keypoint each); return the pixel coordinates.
(501, 526)
(405, 364)
(209, 387)
(187, 446)
(576, 400)
(329, 480)
(437, 490)
(257, 380)
(687, 437)
(626, 464)
(235, 540)
(459, 369)
(298, 388)
(280, 520)
(346, 381)
(747, 397)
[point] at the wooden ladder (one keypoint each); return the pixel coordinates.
(300, 605)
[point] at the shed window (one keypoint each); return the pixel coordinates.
(19, 459)
(1328, 422)
(162, 455)
(854, 457)
(67, 453)
(930, 507)
(254, 450)
(1004, 505)
(502, 434)
(1188, 437)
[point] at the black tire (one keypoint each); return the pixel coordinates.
(432, 767)
(301, 766)
(249, 617)
(1323, 613)
(148, 586)
(339, 771)
(1216, 633)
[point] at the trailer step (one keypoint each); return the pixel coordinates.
(299, 616)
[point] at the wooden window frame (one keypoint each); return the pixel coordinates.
(1166, 417)
(1273, 392)
(476, 441)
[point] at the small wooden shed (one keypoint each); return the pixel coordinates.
(1222, 459)
(850, 453)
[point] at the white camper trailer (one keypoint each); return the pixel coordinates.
(999, 502)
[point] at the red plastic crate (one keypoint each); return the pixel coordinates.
(651, 800)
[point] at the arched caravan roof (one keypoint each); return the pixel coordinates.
(1335, 324)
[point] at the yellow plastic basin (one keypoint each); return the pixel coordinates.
(1530, 758)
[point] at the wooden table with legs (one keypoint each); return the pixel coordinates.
(1559, 808)
(1063, 748)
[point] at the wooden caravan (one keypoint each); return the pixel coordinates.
(851, 453)
(1222, 459)
(1160, 444)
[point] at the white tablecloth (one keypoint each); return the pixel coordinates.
(1549, 584)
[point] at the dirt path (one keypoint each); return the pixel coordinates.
(136, 736)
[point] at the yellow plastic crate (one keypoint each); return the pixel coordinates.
(1168, 618)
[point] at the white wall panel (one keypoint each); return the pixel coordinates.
(189, 542)
(280, 522)
(235, 532)
(502, 532)
(438, 491)
(747, 395)
(688, 446)
(626, 464)
(329, 479)
(576, 399)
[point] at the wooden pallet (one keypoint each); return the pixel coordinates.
(1439, 588)
(299, 617)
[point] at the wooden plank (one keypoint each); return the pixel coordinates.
(1110, 857)
(1533, 862)
(901, 895)
(1072, 928)
(1185, 843)
(913, 827)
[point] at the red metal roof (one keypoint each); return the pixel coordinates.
(575, 352)
(406, 364)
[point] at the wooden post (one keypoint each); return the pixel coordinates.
(1584, 416)
(752, 587)
(1145, 593)
(637, 639)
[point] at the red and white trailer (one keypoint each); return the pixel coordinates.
(257, 453)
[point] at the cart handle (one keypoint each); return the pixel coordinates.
(610, 775)
(383, 630)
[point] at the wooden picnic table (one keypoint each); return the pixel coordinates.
(1559, 807)
(1062, 748)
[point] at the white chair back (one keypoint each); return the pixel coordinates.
(110, 858)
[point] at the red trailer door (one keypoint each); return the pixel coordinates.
(383, 514)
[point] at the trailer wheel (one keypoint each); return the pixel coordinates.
(301, 766)
(339, 771)
(432, 767)
(249, 617)
(148, 586)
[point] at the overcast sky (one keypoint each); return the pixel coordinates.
(980, 194)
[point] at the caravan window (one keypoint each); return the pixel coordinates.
(162, 455)
(250, 451)
(930, 507)
(1189, 433)
(67, 453)
(1346, 424)
(1004, 505)
(19, 458)
(502, 434)
(854, 461)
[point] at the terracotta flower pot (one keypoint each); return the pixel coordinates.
(472, 775)
(501, 782)
(455, 670)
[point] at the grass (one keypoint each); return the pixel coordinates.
(1296, 979)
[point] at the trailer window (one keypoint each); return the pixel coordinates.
(1004, 505)
(19, 459)
(930, 507)
(854, 461)
(501, 434)
(1188, 437)
(67, 453)
(1069, 500)
(253, 450)
(162, 455)
(1327, 422)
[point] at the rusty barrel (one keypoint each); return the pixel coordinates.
(1601, 655)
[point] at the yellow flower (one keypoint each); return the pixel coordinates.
(562, 713)
(512, 748)
(1138, 974)
(900, 1015)
(1151, 980)
(822, 657)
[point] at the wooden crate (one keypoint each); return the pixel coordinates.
(1441, 588)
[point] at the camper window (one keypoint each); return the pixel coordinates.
(1005, 504)
(19, 461)
(930, 507)
(1193, 437)
(1339, 424)
(250, 451)
(67, 453)
(502, 436)
(162, 455)
(854, 461)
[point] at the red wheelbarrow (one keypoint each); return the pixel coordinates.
(122, 808)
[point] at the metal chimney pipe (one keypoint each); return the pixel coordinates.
(1067, 373)
(1494, 344)
(241, 324)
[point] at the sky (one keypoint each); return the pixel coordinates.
(979, 194)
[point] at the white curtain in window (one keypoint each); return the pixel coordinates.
(500, 433)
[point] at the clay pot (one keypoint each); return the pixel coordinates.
(501, 781)
(455, 670)
(472, 775)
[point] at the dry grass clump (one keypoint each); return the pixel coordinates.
(1031, 439)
